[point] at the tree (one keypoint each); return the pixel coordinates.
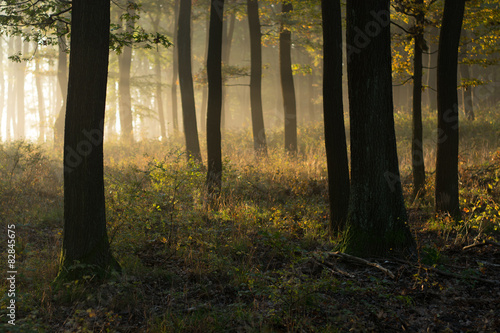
(214, 108)
(62, 78)
(259, 133)
(86, 249)
(124, 96)
(287, 86)
(186, 81)
(447, 146)
(376, 223)
(175, 70)
(418, 165)
(335, 141)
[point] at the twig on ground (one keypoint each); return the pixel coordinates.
(334, 270)
(362, 261)
(481, 244)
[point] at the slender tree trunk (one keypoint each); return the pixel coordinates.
(227, 40)
(467, 90)
(159, 98)
(11, 93)
(62, 78)
(41, 101)
(2, 87)
(287, 86)
(432, 69)
(214, 74)
(204, 98)
(259, 133)
(333, 110)
(447, 147)
(376, 224)
(125, 64)
(175, 71)
(21, 68)
(86, 248)
(186, 82)
(418, 166)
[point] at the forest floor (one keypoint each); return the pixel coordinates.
(262, 262)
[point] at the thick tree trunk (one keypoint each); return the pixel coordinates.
(418, 166)
(186, 82)
(62, 78)
(447, 146)
(86, 248)
(175, 71)
(333, 110)
(41, 101)
(376, 224)
(214, 74)
(287, 86)
(259, 133)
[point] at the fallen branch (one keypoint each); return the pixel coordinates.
(458, 276)
(481, 244)
(334, 270)
(362, 261)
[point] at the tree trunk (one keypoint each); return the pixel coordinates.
(227, 39)
(214, 75)
(175, 71)
(432, 69)
(124, 65)
(376, 223)
(467, 90)
(86, 248)
(2, 89)
(62, 78)
(447, 146)
(159, 98)
(21, 68)
(287, 86)
(204, 98)
(41, 101)
(417, 161)
(186, 82)
(259, 133)
(10, 126)
(333, 110)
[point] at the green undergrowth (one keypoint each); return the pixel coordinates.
(254, 265)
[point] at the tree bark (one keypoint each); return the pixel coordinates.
(214, 75)
(333, 110)
(258, 129)
(287, 86)
(376, 223)
(418, 165)
(86, 248)
(447, 146)
(186, 82)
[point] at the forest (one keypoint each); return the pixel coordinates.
(250, 165)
